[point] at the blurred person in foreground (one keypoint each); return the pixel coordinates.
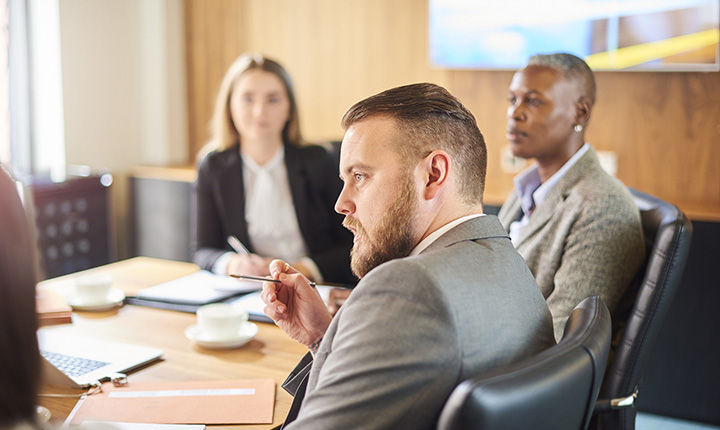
(576, 226)
(19, 354)
(259, 182)
(443, 295)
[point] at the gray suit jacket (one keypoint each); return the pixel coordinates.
(584, 240)
(415, 327)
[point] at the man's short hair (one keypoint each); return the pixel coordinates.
(431, 118)
(570, 67)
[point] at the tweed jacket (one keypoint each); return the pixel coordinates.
(585, 239)
(415, 327)
(219, 208)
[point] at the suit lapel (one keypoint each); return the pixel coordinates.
(296, 385)
(540, 216)
(511, 211)
(231, 188)
(297, 176)
(556, 197)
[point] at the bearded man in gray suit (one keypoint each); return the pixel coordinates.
(576, 226)
(443, 294)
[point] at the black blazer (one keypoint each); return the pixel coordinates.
(219, 208)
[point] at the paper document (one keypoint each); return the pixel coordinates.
(243, 401)
(198, 288)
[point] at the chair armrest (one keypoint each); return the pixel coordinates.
(606, 405)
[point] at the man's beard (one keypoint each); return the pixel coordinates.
(393, 237)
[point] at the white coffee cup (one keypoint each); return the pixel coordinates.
(220, 321)
(42, 414)
(93, 288)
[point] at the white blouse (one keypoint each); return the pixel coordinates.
(269, 209)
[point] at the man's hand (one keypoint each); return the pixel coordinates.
(295, 306)
(249, 264)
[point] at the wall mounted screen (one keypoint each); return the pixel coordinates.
(642, 35)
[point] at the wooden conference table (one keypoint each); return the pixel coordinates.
(271, 354)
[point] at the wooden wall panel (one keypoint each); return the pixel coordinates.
(339, 52)
(664, 127)
(213, 39)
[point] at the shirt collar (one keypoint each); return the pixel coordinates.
(532, 191)
(432, 237)
(274, 161)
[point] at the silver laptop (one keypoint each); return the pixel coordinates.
(80, 362)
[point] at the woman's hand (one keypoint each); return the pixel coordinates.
(249, 264)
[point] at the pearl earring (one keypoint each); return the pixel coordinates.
(577, 128)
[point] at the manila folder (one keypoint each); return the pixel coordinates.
(245, 401)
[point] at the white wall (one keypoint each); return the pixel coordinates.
(124, 90)
(123, 82)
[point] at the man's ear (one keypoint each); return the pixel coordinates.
(437, 167)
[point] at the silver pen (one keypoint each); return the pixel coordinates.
(259, 279)
(235, 243)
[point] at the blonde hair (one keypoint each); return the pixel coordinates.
(223, 134)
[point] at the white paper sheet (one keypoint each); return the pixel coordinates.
(198, 287)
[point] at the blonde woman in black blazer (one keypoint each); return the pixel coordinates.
(256, 135)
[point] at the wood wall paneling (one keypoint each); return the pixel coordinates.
(213, 40)
(664, 127)
(337, 52)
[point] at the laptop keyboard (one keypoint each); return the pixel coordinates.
(72, 366)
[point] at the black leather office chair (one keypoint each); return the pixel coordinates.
(555, 390)
(667, 237)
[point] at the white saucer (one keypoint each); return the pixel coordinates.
(114, 299)
(247, 332)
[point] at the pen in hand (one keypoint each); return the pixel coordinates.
(259, 279)
(235, 243)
